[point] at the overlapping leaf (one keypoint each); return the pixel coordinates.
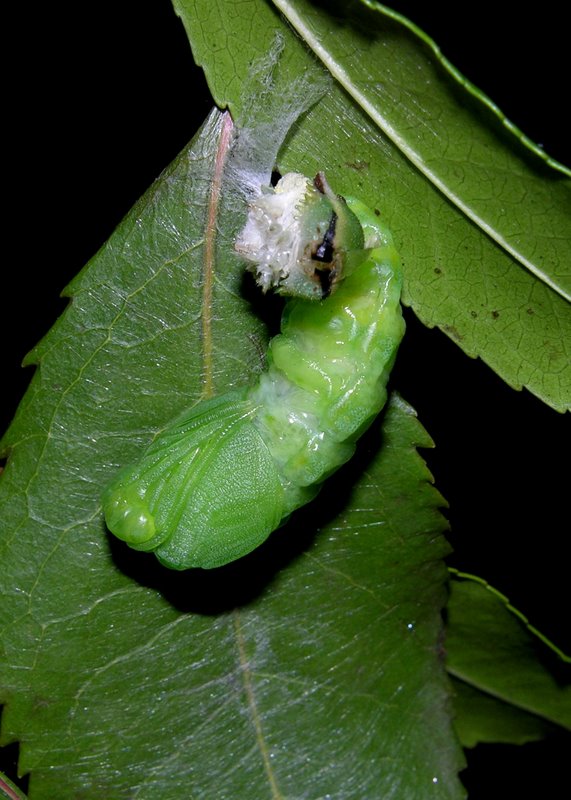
(481, 219)
(511, 684)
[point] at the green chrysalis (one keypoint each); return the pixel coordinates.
(216, 483)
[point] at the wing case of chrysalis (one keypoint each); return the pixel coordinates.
(217, 481)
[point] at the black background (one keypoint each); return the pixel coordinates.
(103, 97)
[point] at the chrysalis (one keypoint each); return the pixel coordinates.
(216, 483)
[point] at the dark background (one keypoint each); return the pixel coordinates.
(103, 100)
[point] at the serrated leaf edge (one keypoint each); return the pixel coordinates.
(455, 573)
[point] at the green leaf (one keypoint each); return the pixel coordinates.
(480, 217)
(479, 718)
(311, 668)
(493, 650)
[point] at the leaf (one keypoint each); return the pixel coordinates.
(311, 668)
(479, 717)
(493, 650)
(481, 219)
(437, 134)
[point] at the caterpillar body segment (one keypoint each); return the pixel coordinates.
(217, 481)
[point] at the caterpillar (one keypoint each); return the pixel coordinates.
(225, 474)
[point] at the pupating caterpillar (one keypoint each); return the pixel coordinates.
(214, 484)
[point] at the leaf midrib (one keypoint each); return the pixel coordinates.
(210, 234)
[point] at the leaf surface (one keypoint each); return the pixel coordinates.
(493, 650)
(481, 219)
(310, 669)
(479, 717)
(398, 80)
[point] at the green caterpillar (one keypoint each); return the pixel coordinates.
(228, 472)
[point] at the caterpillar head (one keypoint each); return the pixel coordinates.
(297, 237)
